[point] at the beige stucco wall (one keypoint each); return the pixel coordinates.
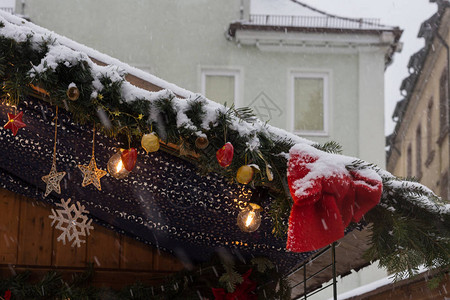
(434, 166)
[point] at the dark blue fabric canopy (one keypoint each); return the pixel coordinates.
(163, 202)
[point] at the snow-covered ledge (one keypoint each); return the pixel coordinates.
(317, 42)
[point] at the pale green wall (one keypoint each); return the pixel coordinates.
(173, 38)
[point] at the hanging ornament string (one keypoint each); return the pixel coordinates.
(53, 179)
(55, 119)
(129, 138)
(225, 134)
(91, 173)
(93, 141)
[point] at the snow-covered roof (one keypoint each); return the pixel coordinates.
(67, 49)
(280, 7)
(92, 53)
(428, 30)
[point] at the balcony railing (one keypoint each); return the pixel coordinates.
(312, 21)
(8, 9)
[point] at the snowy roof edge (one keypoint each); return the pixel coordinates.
(104, 58)
(412, 78)
(92, 53)
(364, 290)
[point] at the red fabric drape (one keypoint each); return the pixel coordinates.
(327, 205)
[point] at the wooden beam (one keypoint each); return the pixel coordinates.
(114, 278)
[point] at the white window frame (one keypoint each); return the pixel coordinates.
(235, 72)
(325, 75)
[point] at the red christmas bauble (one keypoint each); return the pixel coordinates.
(225, 155)
(129, 158)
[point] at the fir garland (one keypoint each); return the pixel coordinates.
(194, 284)
(411, 226)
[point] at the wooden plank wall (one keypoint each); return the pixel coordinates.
(27, 241)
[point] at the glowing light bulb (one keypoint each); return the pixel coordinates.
(115, 166)
(119, 166)
(249, 218)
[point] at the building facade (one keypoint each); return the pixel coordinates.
(318, 76)
(419, 146)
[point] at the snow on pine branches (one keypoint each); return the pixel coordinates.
(34, 56)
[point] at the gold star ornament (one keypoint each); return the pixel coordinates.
(53, 180)
(92, 174)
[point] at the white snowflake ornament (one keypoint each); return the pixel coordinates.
(72, 221)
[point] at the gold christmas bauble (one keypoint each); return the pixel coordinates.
(150, 142)
(73, 93)
(201, 143)
(269, 173)
(245, 174)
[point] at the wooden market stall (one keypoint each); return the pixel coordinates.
(29, 243)
(192, 202)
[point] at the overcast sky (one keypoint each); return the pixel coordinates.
(406, 14)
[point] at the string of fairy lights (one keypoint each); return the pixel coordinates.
(123, 161)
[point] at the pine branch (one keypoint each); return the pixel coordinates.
(181, 285)
(230, 278)
(329, 147)
(262, 264)
(279, 212)
(410, 226)
(245, 113)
